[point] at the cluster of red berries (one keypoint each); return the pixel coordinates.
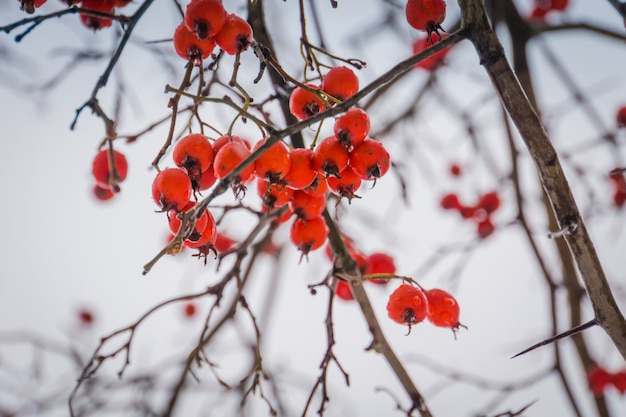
(410, 305)
(619, 186)
(90, 21)
(207, 24)
(543, 7)
(480, 212)
(102, 169)
(426, 15)
(600, 379)
(620, 117)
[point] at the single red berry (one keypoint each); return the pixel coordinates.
(273, 195)
(426, 15)
(599, 379)
(223, 140)
(29, 6)
(329, 157)
(436, 59)
(619, 381)
(301, 172)
(97, 22)
(346, 184)
(204, 181)
(467, 212)
(343, 291)
(443, 309)
(207, 237)
(340, 83)
(200, 224)
(103, 193)
(489, 202)
(283, 218)
(205, 17)
(229, 157)
(171, 189)
(189, 310)
(189, 47)
(274, 163)
(455, 170)
(621, 117)
(485, 228)
(379, 263)
(450, 201)
(235, 35)
(85, 317)
(304, 104)
(101, 168)
(407, 305)
(308, 234)
(369, 160)
(193, 152)
(352, 128)
(307, 206)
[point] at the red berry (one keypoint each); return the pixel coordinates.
(308, 234)
(621, 117)
(205, 17)
(489, 202)
(599, 379)
(319, 186)
(343, 291)
(223, 140)
(369, 160)
(222, 242)
(443, 309)
(329, 157)
(433, 61)
(235, 36)
(455, 170)
(426, 15)
(619, 381)
(189, 310)
(352, 128)
(346, 184)
(171, 189)
(273, 195)
(379, 263)
(407, 305)
(229, 157)
(103, 193)
(274, 163)
(207, 237)
(189, 47)
(484, 228)
(193, 152)
(307, 206)
(204, 181)
(199, 226)
(538, 13)
(101, 168)
(97, 22)
(301, 172)
(450, 201)
(85, 317)
(559, 5)
(341, 83)
(304, 104)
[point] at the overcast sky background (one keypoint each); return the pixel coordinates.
(62, 250)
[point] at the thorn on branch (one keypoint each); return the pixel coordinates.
(559, 336)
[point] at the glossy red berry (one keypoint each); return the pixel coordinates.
(330, 157)
(199, 226)
(193, 152)
(319, 186)
(301, 172)
(343, 291)
(307, 206)
(352, 128)
(189, 310)
(308, 234)
(379, 263)
(205, 17)
(207, 237)
(346, 184)
(274, 163)
(433, 61)
(204, 181)
(340, 83)
(450, 202)
(235, 35)
(484, 228)
(223, 242)
(304, 104)
(489, 202)
(171, 189)
(229, 157)
(370, 160)
(443, 309)
(407, 305)
(455, 170)
(599, 379)
(97, 22)
(101, 168)
(29, 6)
(426, 15)
(620, 117)
(273, 195)
(189, 47)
